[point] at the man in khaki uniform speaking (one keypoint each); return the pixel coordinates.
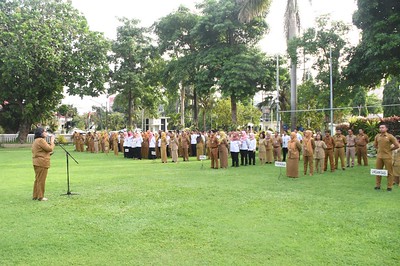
(385, 143)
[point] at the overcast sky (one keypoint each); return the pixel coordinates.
(102, 16)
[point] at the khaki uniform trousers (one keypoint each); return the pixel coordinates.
(277, 154)
(185, 155)
(389, 167)
(362, 154)
(40, 182)
(214, 158)
(329, 154)
(350, 155)
(309, 161)
(339, 153)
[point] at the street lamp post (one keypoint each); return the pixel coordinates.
(277, 95)
(331, 88)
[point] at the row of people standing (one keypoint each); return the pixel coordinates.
(321, 149)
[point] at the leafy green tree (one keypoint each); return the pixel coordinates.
(324, 43)
(391, 98)
(220, 115)
(135, 63)
(44, 46)
(227, 56)
(378, 54)
(252, 8)
(310, 117)
(360, 101)
(375, 104)
(177, 41)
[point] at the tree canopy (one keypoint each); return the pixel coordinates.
(378, 54)
(46, 45)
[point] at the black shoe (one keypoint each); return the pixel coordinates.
(377, 188)
(343, 168)
(389, 189)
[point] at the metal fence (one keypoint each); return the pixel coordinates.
(12, 138)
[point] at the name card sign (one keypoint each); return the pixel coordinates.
(280, 164)
(380, 172)
(202, 157)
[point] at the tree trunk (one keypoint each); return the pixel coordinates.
(204, 119)
(293, 96)
(293, 27)
(23, 130)
(195, 110)
(234, 110)
(182, 105)
(129, 126)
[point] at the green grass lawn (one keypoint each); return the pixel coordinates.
(149, 213)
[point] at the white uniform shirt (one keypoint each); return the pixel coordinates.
(244, 144)
(234, 146)
(152, 142)
(193, 138)
(252, 144)
(285, 141)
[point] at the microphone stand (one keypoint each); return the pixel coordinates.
(67, 154)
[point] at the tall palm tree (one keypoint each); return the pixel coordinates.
(252, 8)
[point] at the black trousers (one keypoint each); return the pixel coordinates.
(152, 153)
(235, 159)
(193, 150)
(137, 153)
(284, 152)
(243, 157)
(252, 157)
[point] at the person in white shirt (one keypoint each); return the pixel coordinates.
(252, 149)
(138, 146)
(193, 143)
(234, 148)
(299, 136)
(152, 146)
(285, 141)
(129, 144)
(244, 147)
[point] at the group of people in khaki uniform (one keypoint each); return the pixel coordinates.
(345, 148)
(217, 145)
(337, 151)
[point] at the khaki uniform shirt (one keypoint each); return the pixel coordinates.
(340, 141)
(330, 144)
(362, 139)
(41, 152)
(383, 144)
(351, 140)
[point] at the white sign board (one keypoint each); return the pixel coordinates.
(202, 157)
(280, 164)
(380, 172)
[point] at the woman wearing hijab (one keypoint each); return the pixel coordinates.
(41, 152)
(174, 144)
(234, 149)
(308, 152)
(152, 145)
(223, 150)
(252, 149)
(163, 148)
(294, 148)
(244, 147)
(269, 150)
